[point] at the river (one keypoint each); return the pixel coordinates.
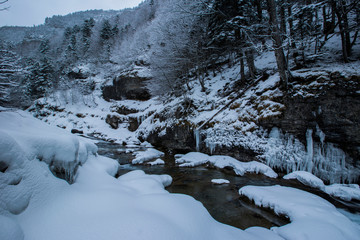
(222, 201)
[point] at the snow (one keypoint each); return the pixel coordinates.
(306, 178)
(147, 155)
(345, 192)
(134, 206)
(311, 216)
(23, 135)
(10, 229)
(156, 162)
(193, 159)
(220, 181)
(40, 206)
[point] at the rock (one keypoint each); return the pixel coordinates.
(127, 87)
(124, 110)
(133, 124)
(76, 131)
(113, 121)
(80, 115)
(179, 139)
(77, 75)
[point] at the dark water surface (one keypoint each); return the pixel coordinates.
(222, 201)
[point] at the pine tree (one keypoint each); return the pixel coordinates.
(40, 75)
(107, 35)
(39, 79)
(106, 31)
(10, 70)
(86, 30)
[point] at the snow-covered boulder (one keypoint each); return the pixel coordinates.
(306, 178)
(147, 155)
(311, 216)
(193, 159)
(345, 192)
(24, 137)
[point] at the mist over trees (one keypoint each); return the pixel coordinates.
(176, 41)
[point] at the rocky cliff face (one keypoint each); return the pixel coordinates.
(331, 105)
(127, 87)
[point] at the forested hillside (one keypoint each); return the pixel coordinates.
(230, 72)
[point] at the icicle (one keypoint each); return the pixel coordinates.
(310, 151)
(320, 134)
(211, 146)
(197, 139)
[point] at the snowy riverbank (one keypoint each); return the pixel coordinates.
(37, 205)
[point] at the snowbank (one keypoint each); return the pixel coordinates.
(193, 159)
(10, 229)
(23, 136)
(134, 206)
(344, 191)
(147, 155)
(306, 178)
(311, 216)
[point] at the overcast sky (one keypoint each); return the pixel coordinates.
(34, 12)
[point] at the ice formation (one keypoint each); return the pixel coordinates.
(324, 160)
(197, 139)
(285, 152)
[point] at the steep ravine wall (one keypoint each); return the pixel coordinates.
(331, 106)
(323, 110)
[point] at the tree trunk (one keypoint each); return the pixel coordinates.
(277, 41)
(282, 17)
(242, 65)
(250, 62)
(259, 10)
(338, 8)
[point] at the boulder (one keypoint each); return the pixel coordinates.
(113, 121)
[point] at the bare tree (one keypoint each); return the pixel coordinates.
(3, 2)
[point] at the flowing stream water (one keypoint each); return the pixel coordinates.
(222, 201)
